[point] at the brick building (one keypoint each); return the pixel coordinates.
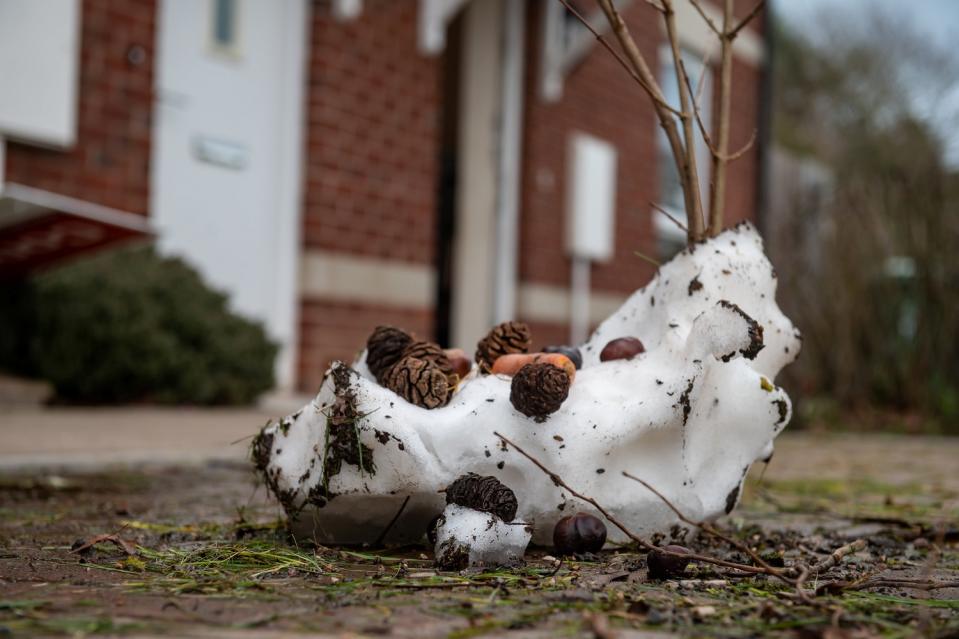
(338, 164)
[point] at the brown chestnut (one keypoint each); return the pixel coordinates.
(664, 564)
(579, 533)
(462, 365)
(621, 348)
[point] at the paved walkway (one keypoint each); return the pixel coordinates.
(84, 437)
(87, 437)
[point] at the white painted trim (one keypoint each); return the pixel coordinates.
(434, 16)
(67, 14)
(548, 303)
(351, 278)
(289, 171)
(474, 250)
(695, 35)
(346, 10)
(560, 54)
(510, 166)
(81, 208)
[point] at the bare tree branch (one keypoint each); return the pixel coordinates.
(742, 150)
(717, 198)
(694, 206)
(619, 58)
(749, 16)
(708, 528)
(556, 479)
(671, 218)
(709, 21)
(666, 120)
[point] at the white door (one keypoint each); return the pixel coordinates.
(227, 151)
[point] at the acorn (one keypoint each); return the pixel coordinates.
(579, 533)
(663, 565)
(569, 351)
(621, 348)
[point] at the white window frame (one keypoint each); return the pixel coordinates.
(665, 228)
(232, 50)
(564, 48)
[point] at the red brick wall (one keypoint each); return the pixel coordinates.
(372, 167)
(338, 330)
(110, 162)
(374, 110)
(599, 98)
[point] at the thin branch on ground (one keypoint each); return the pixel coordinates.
(389, 526)
(837, 556)
(642, 543)
(706, 527)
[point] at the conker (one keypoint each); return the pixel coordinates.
(663, 565)
(462, 365)
(579, 533)
(569, 351)
(621, 348)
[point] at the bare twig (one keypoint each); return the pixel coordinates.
(670, 217)
(706, 527)
(694, 204)
(706, 18)
(837, 556)
(556, 479)
(749, 16)
(666, 120)
(647, 258)
(389, 526)
(742, 150)
(642, 543)
(619, 58)
(914, 584)
(717, 200)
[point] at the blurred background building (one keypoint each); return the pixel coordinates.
(334, 165)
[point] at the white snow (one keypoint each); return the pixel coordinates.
(488, 540)
(677, 416)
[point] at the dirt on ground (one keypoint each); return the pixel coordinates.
(201, 551)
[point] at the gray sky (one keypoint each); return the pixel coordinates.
(937, 20)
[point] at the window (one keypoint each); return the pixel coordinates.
(670, 237)
(225, 26)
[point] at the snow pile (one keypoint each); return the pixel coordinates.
(467, 538)
(690, 415)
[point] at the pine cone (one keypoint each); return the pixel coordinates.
(384, 348)
(419, 382)
(508, 337)
(430, 352)
(483, 493)
(538, 390)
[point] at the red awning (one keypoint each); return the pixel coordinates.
(39, 228)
